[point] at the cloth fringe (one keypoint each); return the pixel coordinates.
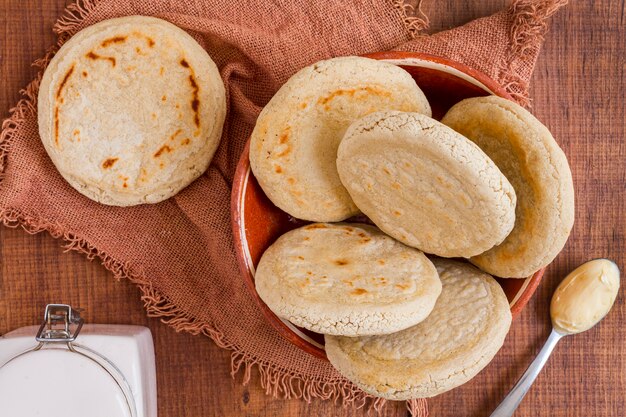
(414, 18)
(418, 407)
(69, 22)
(526, 36)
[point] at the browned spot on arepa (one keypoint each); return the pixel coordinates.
(285, 151)
(195, 89)
(114, 39)
(316, 226)
(162, 149)
(359, 93)
(56, 125)
(109, 162)
(67, 76)
(94, 56)
(144, 173)
(124, 179)
(176, 133)
(342, 262)
(284, 136)
(195, 104)
(283, 139)
(358, 291)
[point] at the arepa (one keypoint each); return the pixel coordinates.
(533, 162)
(463, 333)
(424, 184)
(294, 143)
(346, 279)
(131, 110)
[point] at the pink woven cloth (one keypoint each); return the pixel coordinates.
(180, 252)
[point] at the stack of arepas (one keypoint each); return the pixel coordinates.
(488, 183)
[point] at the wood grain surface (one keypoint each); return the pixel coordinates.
(578, 91)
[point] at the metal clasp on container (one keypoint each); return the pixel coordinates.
(61, 323)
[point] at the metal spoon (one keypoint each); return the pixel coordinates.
(582, 299)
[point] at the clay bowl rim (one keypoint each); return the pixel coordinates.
(243, 171)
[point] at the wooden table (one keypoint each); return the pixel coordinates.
(578, 91)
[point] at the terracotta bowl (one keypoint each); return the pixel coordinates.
(257, 223)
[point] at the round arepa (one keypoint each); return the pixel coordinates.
(459, 338)
(530, 158)
(294, 144)
(131, 110)
(426, 185)
(346, 279)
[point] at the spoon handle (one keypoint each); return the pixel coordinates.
(508, 406)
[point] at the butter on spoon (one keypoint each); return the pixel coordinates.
(585, 296)
(581, 300)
